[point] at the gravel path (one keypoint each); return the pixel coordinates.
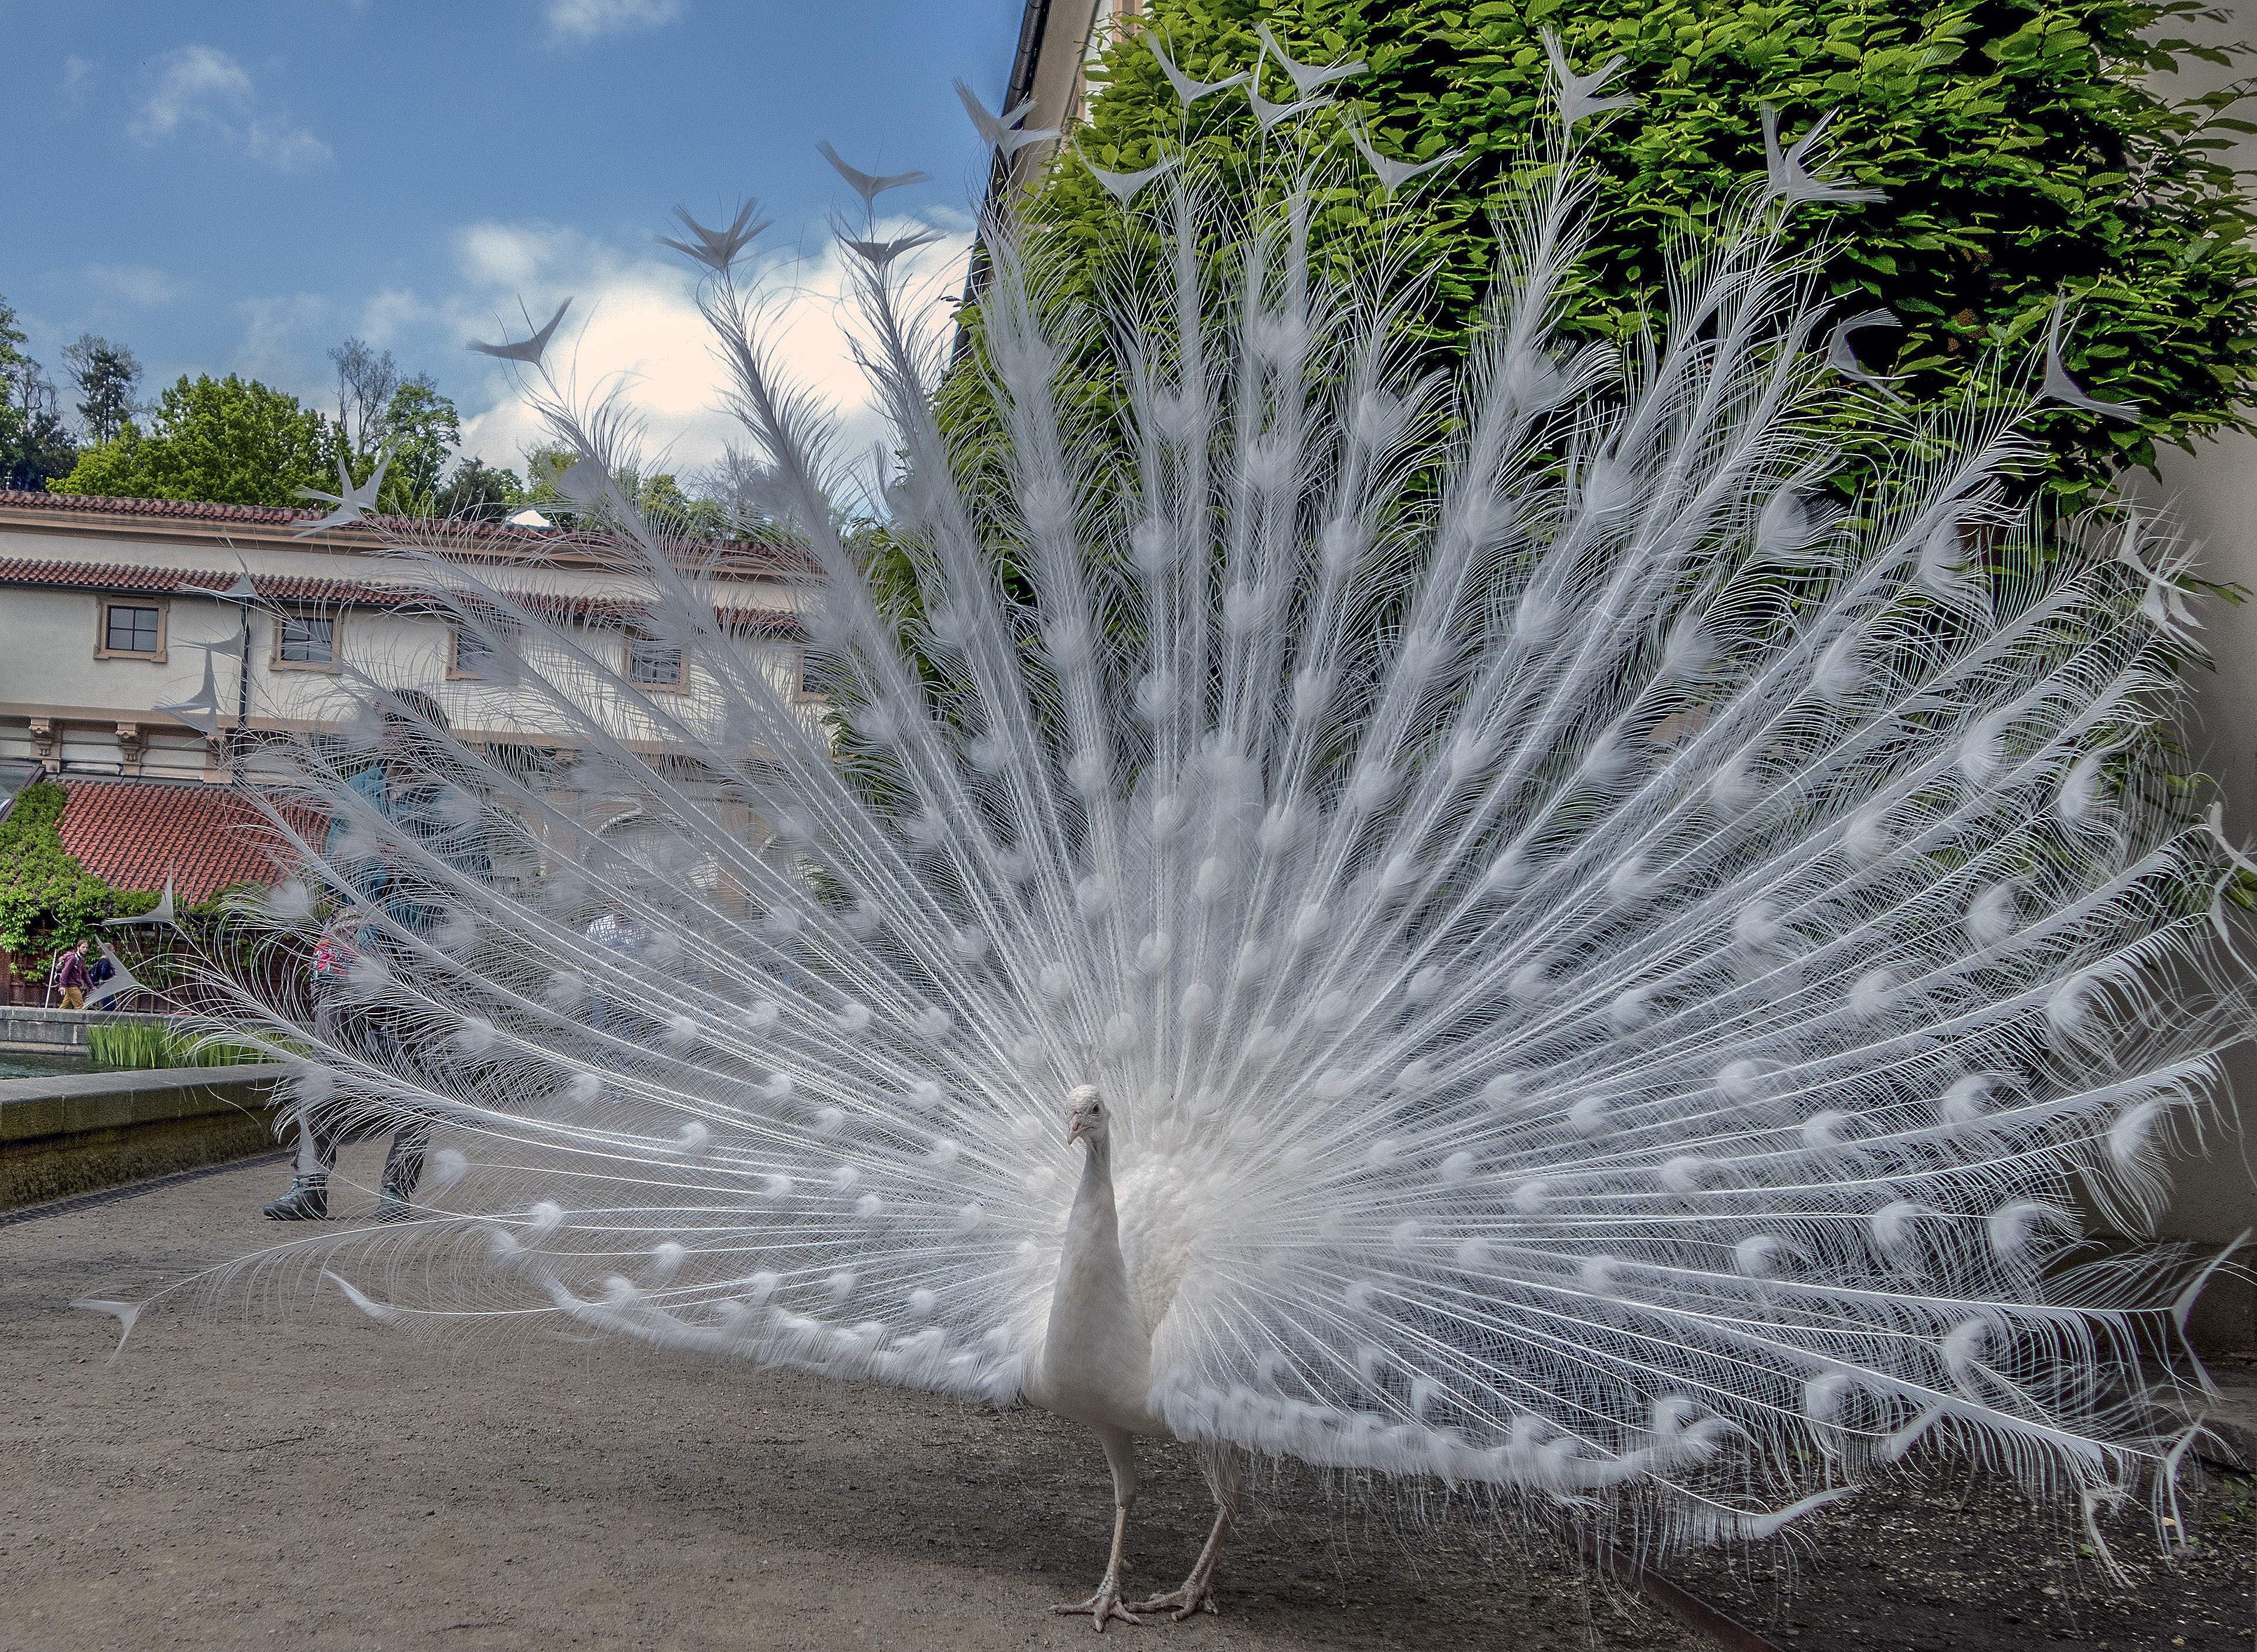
(322, 1482)
(245, 1478)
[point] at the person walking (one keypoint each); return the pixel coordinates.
(407, 787)
(615, 930)
(73, 977)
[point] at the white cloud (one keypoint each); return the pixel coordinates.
(635, 326)
(135, 284)
(390, 314)
(578, 20)
(280, 339)
(76, 69)
(202, 89)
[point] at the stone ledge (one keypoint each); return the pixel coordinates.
(72, 1133)
(25, 1027)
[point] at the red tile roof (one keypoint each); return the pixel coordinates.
(298, 587)
(259, 515)
(491, 537)
(132, 834)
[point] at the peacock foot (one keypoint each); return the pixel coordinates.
(1197, 1595)
(1102, 1607)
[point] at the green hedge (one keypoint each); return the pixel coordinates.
(48, 901)
(2024, 152)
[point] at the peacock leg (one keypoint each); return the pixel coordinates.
(1225, 1468)
(1105, 1605)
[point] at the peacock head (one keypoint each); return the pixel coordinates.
(1088, 1116)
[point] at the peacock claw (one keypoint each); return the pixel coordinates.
(1192, 1599)
(1103, 1606)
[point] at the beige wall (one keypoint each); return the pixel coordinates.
(1060, 90)
(2211, 498)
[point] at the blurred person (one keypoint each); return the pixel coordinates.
(408, 785)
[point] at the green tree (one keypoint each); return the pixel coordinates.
(226, 441)
(422, 429)
(2026, 157)
(544, 475)
(477, 489)
(107, 375)
(34, 445)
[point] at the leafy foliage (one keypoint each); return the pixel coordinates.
(2027, 156)
(34, 444)
(152, 1044)
(477, 487)
(378, 407)
(423, 430)
(48, 899)
(107, 375)
(661, 497)
(227, 441)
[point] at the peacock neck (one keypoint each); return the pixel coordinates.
(1096, 1189)
(1096, 1365)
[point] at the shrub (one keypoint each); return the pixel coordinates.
(47, 900)
(2026, 155)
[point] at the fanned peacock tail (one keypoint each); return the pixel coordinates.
(1617, 975)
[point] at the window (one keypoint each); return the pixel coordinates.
(473, 658)
(133, 630)
(302, 640)
(653, 665)
(129, 628)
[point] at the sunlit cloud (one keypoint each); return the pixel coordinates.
(635, 329)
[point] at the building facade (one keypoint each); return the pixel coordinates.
(111, 608)
(125, 624)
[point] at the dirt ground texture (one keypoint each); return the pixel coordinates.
(244, 1480)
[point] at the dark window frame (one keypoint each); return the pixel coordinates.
(640, 652)
(279, 658)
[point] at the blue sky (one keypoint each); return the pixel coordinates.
(237, 187)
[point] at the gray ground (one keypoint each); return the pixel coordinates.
(326, 1483)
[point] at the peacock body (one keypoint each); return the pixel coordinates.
(1454, 922)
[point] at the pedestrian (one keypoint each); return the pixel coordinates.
(73, 977)
(615, 930)
(408, 788)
